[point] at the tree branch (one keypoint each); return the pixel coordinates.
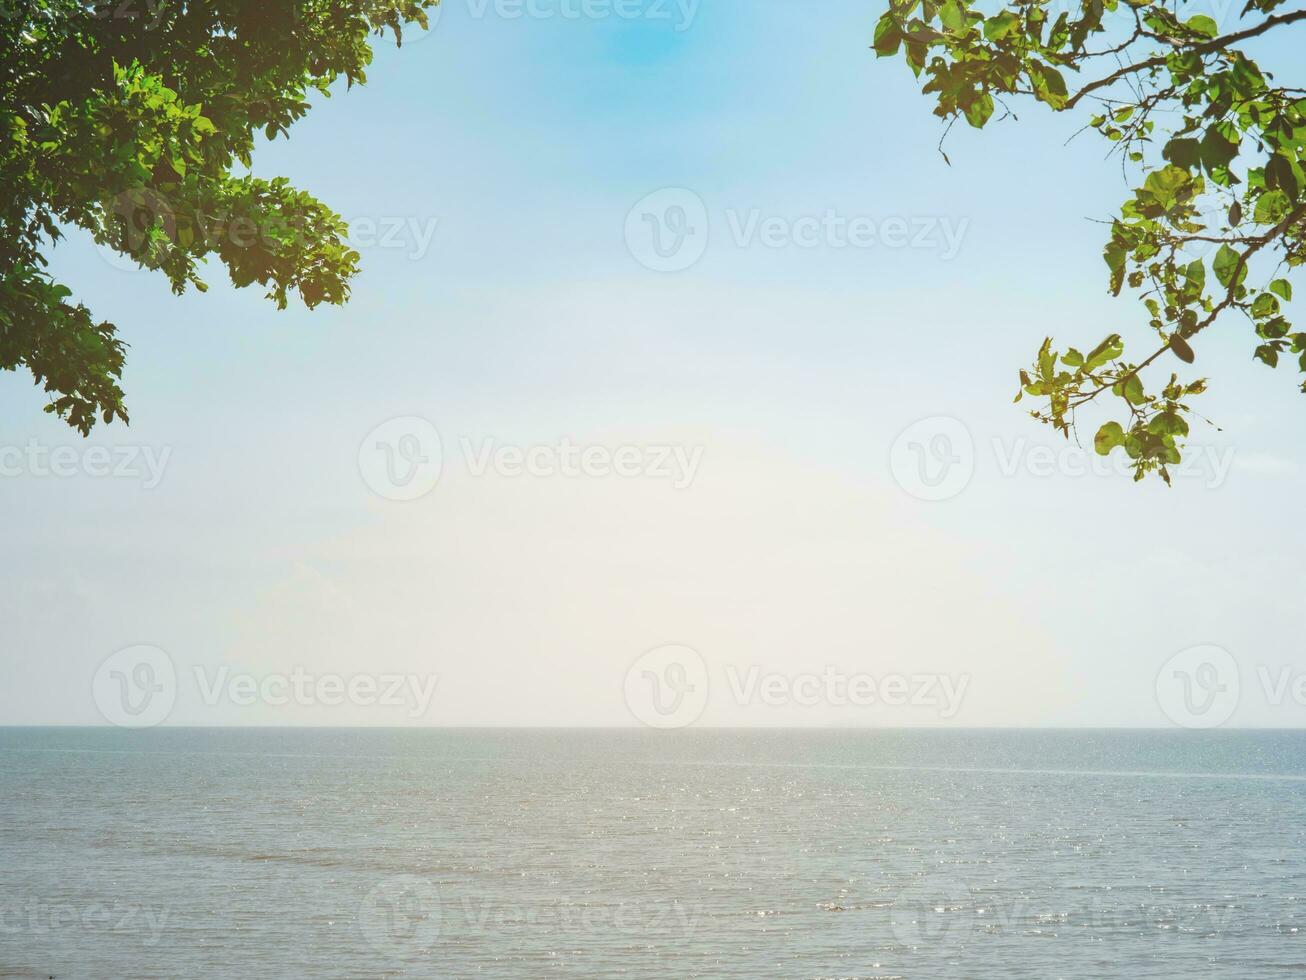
(1257, 244)
(1209, 47)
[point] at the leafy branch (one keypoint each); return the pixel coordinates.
(1221, 195)
(131, 127)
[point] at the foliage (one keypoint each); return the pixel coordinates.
(127, 118)
(1220, 206)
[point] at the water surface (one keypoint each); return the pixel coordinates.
(522, 854)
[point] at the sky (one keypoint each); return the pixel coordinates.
(675, 390)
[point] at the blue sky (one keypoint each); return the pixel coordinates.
(521, 145)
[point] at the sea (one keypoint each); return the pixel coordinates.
(369, 853)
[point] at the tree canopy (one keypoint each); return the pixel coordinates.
(136, 120)
(1218, 214)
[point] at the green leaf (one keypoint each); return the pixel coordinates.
(1108, 350)
(1279, 175)
(1186, 153)
(1181, 349)
(1282, 288)
(952, 17)
(1265, 306)
(1133, 390)
(1047, 361)
(888, 38)
(1108, 437)
(1227, 264)
(1115, 256)
(1168, 424)
(1273, 328)
(979, 111)
(1169, 185)
(999, 26)
(1049, 85)
(1217, 152)
(1272, 207)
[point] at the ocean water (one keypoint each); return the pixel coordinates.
(526, 854)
